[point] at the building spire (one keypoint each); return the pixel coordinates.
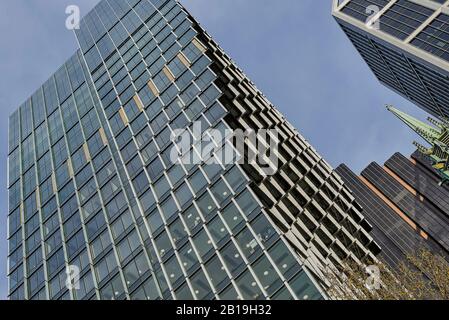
(437, 137)
(427, 132)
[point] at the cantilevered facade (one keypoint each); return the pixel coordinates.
(93, 185)
(406, 45)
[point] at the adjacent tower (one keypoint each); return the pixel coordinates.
(97, 186)
(406, 45)
(406, 205)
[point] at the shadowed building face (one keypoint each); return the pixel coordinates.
(405, 204)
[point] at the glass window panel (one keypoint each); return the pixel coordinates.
(216, 271)
(207, 205)
(192, 218)
(221, 191)
(247, 242)
(188, 257)
(202, 243)
(263, 228)
(232, 216)
(232, 258)
(304, 288)
(163, 244)
(200, 285)
(173, 270)
(161, 187)
(248, 287)
(282, 257)
(169, 208)
(184, 293)
(217, 230)
(183, 195)
(155, 221)
(230, 294)
(267, 275)
(177, 231)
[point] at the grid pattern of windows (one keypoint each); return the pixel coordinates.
(97, 186)
(363, 9)
(110, 200)
(419, 212)
(44, 213)
(403, 18)
(435, 37)
(396, 236)
(422, 222)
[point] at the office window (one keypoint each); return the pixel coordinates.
(163, 245)
(282, 258)
(267, 275)
(75, 243)
(99, 245)
(217, 230)
(147, 291)
(248, 287)
(116, 205)
(55, 262)
(435, 37)
(359, 8)
(403, 18)
(173, 270)
(203, 243)
(141, 183)
(121, 224)
(147, 200)
(178, 232)
(105, 266)
(135, 269)
(232, 258)
(200, 285)
(35, 281)
(216, 271)
(207, 205)
(70, 226)
(128, 245)
(188, 257)
(304, 288)
(113, 290)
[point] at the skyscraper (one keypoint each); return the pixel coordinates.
(405, 43)
(98, 188)
(405, 204)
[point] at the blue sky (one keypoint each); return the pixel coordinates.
(293, 50)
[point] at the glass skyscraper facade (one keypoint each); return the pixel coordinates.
(405, 204)
(93, 185)
(406, 45)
